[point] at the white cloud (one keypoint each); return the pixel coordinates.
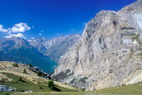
(20, 27)
(15, 35)
(16, 30)
(2, 29)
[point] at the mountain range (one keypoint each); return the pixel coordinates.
(56, 47)
(108, 54)
(39, 52)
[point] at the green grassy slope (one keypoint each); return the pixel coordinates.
(123, 90)
(27, 85)
(135, 89)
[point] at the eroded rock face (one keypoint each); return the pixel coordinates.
(109, 54)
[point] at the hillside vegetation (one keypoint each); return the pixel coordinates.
(135, 89)
(23, 80)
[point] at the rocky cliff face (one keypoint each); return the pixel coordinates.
(109, 54)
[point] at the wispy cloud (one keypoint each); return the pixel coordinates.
(84, 23)
(42, 31)
(15, 35)
(40, 34)
(72, 30)
(58, 34)
(2, 29)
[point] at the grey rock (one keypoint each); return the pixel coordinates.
(6, 88)
(109, 53)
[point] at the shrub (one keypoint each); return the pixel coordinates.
(41, 87)
(30, 65)
(39, 73)
(22, 90)
(7, 94)
(50, 84)
(83, 89)
(3, 80)
(21, 79)
(24, 71)
(15, 65)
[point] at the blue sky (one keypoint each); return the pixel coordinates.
(50, 18)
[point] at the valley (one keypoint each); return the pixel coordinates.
(42, 53)
(105, 60)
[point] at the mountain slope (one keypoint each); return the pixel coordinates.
(14, 77)
(56, 47)
(19, 50)
(109, 54)
(123, 90)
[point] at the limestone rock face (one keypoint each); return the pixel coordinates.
(109, 54)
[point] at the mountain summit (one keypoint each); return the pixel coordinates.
(109, 54)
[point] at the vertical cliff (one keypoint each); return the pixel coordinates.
(109, 54)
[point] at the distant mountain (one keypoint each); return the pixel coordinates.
(56, 47)
(19, 50)
(40, 52)
(40, 44)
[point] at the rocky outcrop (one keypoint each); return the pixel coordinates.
(6, 88)
(109, 54)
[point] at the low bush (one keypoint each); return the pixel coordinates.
(15, 64)
(51, 84)
(24, 71)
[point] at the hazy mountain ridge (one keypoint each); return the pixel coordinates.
(109, 54)
(39, 52)
(19, 50)
(56, 47)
